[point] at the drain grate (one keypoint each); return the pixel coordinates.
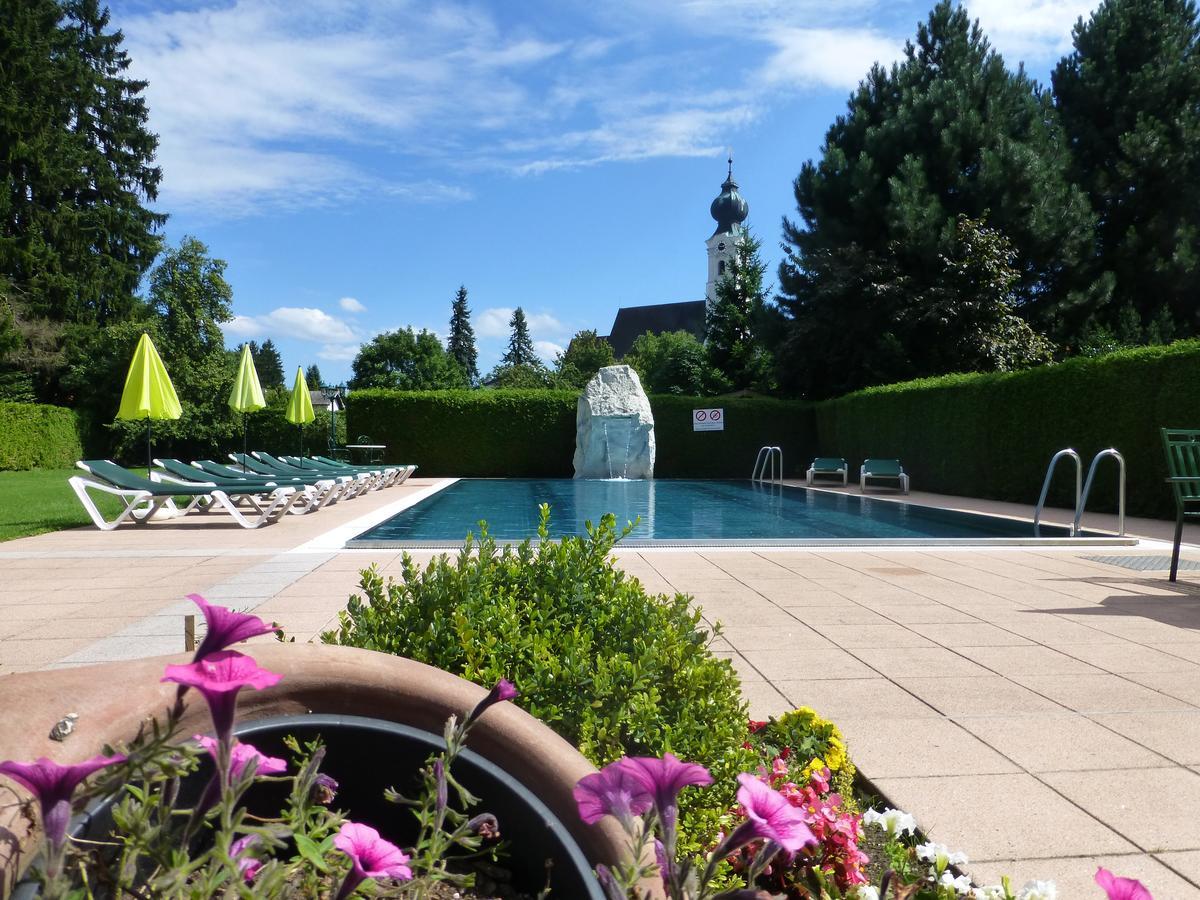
(1146, 563)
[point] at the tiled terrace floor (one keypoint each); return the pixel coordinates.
(1033, 708)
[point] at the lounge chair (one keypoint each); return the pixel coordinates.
(352, 485)
(389, 474)
(318, 492)
(829, 465)
(376, 478)
(143, 497)
(1182, 447)
(885, 469)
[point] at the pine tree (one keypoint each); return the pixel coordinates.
(312, 377)
(520, 350)
(269, 364)
(462, 337)
(948, 131)
(730, 337)
(75, 237)
(1129, 100)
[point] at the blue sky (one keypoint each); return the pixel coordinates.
(355, 162)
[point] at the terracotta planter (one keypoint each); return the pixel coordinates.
(113, 699)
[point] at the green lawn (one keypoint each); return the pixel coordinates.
(41, 500)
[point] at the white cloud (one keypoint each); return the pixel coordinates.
(303, 323)
(351, 305)
(338, 352)
(1030, 29)
(829, 57)
(547, 350)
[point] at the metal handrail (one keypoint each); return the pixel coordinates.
(1037, 512)
(1087, 487)
(767, 456)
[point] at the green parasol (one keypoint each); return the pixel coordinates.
(246, 396)
(300, 408)
(148, 392)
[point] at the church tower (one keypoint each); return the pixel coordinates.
(730, 210)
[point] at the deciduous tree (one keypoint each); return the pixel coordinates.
(585, 355)
(406, 361)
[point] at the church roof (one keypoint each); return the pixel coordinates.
(634, 321)
(730, 209)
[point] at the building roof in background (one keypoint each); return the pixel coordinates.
(634, 321)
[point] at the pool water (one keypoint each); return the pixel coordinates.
(680, 512)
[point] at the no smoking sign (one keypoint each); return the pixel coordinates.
(708, 420)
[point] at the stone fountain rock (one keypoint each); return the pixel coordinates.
(614, 427)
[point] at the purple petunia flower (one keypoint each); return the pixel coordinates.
(54, 785)
(247, 864)
(219, 677)
(664, 779)
(224, 627)
(241, 755)
(613, 791)
(503, 690)
(1118, 888)
(371, 857)
(324, 789)
(769, 816)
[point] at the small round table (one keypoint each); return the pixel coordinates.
(372, 453)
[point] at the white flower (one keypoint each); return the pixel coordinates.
(1038, 890)
(863, 892)
(893, 821)
(940, 856)
(990, 892)
(961, 884)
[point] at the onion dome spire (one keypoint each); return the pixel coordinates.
(730, 209)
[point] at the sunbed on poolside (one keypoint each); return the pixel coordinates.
(390, 474)
(829, 465)
(318, 491)
(144, 497)
(884, 469)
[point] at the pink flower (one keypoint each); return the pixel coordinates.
(613, 791)
(770, 816)
(54, 785)
(241, 755)
(247, 865)
(371, 856)
(1121, 888)
(664, 779)
(503, 690)
(219, 677)
(224, 627)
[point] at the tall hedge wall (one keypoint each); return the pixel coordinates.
(992, 435)
(34, 436)
(532, 433)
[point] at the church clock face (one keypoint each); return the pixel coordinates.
(721, 246)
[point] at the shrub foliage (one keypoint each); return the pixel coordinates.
(611, 668)
(36, 436)
(517, 433)
(992, 435)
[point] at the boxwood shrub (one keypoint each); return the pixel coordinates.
(515, 433)
(992, 435)
(611, 668)
(36, 436)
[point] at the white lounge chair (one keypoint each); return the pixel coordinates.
(885, 469)
(829, 465)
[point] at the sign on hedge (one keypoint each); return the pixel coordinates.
(708, 420)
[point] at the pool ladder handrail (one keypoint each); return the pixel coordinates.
(1037, 511)
(1081, 503)
(767, 457)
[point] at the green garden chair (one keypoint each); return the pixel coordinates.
(884, 470)
(1182, 447)
(833, 466)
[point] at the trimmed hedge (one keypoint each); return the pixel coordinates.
(992, 435)
(532, 433)
(36, 436)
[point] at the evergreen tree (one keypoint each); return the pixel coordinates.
(75, 236)
(520, 350)
(461, 344)
(1129, 100)
(268, 363)
(948, 131)
(730, 334)
(312, 377)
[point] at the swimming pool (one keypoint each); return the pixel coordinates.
(678, 512)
